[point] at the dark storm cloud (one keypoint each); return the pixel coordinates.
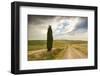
(42, 19)
(39, 19)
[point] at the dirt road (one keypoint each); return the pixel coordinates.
(71, 53)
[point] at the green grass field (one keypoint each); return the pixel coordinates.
(36, 45)
(37, 48)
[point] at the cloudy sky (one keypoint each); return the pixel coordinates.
(63, 27)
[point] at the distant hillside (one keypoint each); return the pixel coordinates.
(32, 42)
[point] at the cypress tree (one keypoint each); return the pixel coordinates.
(49, 38)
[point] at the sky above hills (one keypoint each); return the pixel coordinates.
(63, 27)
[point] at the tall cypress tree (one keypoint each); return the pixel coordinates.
(49, 38)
